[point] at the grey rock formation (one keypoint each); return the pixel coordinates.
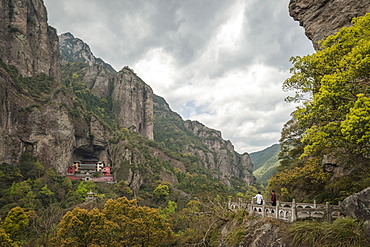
(258, 233)
(132, 97)
(357, 205)
(26, 40)
(223, 160)
(133, 103)
(99, 79)
(75, 50)
(44, 126)
(215, 154)
(26, 125)
(321, 18)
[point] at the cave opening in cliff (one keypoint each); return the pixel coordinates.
(87, 152)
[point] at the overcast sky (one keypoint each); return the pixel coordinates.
(219, 62)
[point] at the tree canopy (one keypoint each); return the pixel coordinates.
(120, 223)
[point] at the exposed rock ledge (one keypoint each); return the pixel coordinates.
(321, 18)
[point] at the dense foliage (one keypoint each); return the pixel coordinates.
(333, 123)
(120, 223)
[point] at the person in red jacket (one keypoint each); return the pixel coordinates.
(273, 198)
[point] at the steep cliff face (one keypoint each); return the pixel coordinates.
(191, 137)
(222, 160)
(74, 49)
(132, 98)
(133, 103)
(26, 40)
(321, 18)
(43, 123)
(43, 129)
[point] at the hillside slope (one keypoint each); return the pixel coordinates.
(265, 163)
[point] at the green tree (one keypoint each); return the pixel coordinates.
(138, 226)
(81, 227)
(162, 191)
(121, 223)
(15, 223)
(122, 189)
(335, 78)
(168, 210)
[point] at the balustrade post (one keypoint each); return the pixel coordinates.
(263, 209)
(294, 211)
(251, 207)
(328, 211)
(277, 210)
(314, 204)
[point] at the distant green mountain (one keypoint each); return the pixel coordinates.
(265, 163)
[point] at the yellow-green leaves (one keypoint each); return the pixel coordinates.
(121, 223)
(356, 127)
(15, 222)
(334, 76)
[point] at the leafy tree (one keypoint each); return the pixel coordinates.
(15, 222)
(291, 147)
(23, 194)
(8, 175)
(45, 191)
(138, 226)
(162, 191)
(168, 210)
(122, 189)
(81, 227)
(121, 223)
(301, 183)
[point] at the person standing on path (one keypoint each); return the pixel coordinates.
(273, 198)
(259, 198)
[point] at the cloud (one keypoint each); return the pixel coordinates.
(219, 62)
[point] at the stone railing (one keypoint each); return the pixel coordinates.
(288, 211)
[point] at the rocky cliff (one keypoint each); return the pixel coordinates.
(321, 18)
(33, 110)
(26, 40)
(191, 137)
(132, 97)
(133, 103)
(220, 156)
(74, 49)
